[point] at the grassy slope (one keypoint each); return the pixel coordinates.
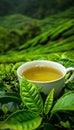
(55, 40)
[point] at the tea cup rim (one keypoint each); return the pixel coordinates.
(44, 82)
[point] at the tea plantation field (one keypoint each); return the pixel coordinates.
(24, 39)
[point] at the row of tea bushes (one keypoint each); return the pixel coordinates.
(61, 29)
(57, 34)
(37, 52)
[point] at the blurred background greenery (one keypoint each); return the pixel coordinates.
(36, 29)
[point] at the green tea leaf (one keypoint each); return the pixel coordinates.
(65, 124)
(4, 109)
(22, 120)
(65, 103)
(9, 98)
(31, 96)
(48, 102)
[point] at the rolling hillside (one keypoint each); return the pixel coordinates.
(20, 35)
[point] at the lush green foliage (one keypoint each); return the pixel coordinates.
(18, 32)
(31, 119)
(24, 39)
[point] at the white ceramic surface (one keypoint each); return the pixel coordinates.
(47, 85)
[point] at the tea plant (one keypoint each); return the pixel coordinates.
(36, 113)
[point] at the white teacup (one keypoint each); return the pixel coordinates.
(57, 84)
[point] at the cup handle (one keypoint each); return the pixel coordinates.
(70, 69)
